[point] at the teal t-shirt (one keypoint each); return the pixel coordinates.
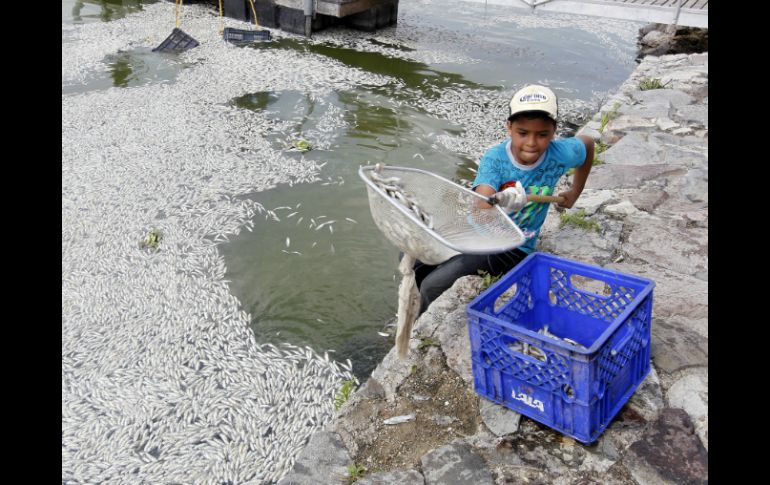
(498, 167)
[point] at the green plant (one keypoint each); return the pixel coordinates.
(487, 279)
(608, 116)
(578, 219)
(414, 369)
(152, 239)
(344, 393)
(355, 472)
(427, 342)
(651, 83)
(600, 147)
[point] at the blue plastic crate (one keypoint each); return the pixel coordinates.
(575, 390)
(237, 36)
(177, 41)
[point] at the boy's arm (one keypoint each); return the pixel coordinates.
(485, 190)
(580, 176)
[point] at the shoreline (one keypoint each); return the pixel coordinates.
(652, 185)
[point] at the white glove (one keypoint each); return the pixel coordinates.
(512, 199)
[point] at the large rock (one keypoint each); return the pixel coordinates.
(694, 185)
(446, 320)
(592, 200)
(669, 453)
(392, 371)
(666, 124)
(685, 157)
(675, 294)
(324, 460)
(648, 199)
(647, 400)
(499, 419)
(667, 140)
(625, 123)
(687, 79)
(400, 477)
(621, 175)
(654, 109)
(633, 149)
(696, 115)
(579, 243)
(655, 38)
(621, 209)
(690, 39)
(691, 393)
(455, 464)
(590, 129)
(675, 97)
(675, 347)
(685, 250)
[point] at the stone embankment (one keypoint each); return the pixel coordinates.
(647, 197)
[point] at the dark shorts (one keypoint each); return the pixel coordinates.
(432, 281)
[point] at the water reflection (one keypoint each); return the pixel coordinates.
(107, 9)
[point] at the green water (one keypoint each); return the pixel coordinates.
(82, 11)
(339, 291)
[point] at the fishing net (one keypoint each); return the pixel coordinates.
(431, 219)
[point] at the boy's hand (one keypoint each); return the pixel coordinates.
(570, 197)
(512, 199)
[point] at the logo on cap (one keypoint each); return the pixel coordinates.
(533, 98)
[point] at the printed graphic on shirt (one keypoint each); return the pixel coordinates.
(529, 214)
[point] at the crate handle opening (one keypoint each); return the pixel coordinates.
(507, 296)
(568, 392)
(590, 285)
(523, 350)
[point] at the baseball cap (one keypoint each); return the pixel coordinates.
(534, 98)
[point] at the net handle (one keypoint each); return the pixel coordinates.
(545, 198)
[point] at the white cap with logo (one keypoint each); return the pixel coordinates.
(534, 98)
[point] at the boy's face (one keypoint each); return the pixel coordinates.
(530, 138)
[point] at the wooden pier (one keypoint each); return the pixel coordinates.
(307, 16)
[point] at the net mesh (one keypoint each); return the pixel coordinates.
(432, 218)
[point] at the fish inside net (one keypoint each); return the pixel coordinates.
(431, 219)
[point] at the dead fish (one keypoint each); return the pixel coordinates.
(351, 220)
(325, 224)
(288, 241)
(400, 419)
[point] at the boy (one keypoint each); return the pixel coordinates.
(531, 162)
